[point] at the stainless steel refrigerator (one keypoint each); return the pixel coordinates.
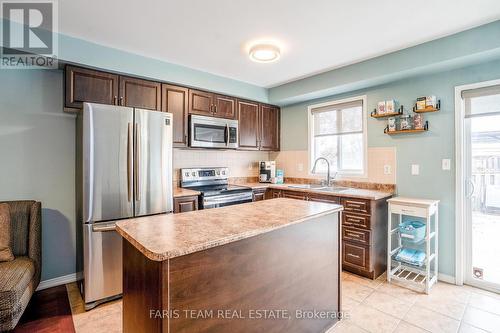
(124, 170)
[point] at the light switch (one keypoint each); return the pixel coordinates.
(415, 169)
(387, 169)
(446, 164)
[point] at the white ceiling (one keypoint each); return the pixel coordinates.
(315, 35)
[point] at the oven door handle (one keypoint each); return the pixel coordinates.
(227, 198)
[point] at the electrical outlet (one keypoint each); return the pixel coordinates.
(300, 167)
(446, 164)
(387, 169)
(415, 169)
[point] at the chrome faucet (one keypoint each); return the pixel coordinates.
(328, 178)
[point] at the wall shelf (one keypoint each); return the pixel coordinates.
(429, 109)
(387, 115)
(413, 130)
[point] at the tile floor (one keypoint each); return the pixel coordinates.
(370, 306)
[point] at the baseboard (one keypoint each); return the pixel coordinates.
(57, 281)
(446, 278)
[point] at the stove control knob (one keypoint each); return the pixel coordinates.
(193, 174)
(223, 172)
(218, 172)
(186, 174)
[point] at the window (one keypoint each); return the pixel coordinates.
(337, 132)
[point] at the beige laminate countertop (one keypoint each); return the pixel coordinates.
(161, 237)
(183, 192)
(349, 193)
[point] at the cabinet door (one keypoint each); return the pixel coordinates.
(185, 204)
(175, 100)
(201, 102)
(269, 127)
(139, 93)
(259, 195)
(86, 85)
(248, 127)
(225, 107)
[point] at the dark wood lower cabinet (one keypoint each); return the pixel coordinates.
(259, 194)
(364, 230)
(185, 204)
(228, 284)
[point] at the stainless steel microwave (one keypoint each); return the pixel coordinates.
(210, 132)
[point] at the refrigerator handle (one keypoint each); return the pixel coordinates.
(137, 162)
(130, 152)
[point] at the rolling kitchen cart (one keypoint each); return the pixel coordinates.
(403, 236)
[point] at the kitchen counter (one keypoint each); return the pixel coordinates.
(161, 237)
(264, 266)
(350, 193)
(183, 192)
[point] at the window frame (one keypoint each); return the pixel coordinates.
(310, 137)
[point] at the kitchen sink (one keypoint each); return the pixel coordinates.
(308, 186)
(334, 189)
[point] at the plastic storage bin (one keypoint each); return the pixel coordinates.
(412, 231)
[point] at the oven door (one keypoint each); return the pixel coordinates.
(226, 200)
(209, 132)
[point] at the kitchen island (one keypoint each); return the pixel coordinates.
(267, 266)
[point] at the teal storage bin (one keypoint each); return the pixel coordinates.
(412, 231)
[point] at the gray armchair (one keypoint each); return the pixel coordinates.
(20, 278)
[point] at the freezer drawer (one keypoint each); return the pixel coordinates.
(102, 257)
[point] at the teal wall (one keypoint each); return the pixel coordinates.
(426, 149)
(37, 159)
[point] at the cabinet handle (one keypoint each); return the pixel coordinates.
(353, 255)
(121, 100)
(353, 235)
(215, 108)
(115, 100)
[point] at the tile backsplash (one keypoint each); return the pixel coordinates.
(295, 163)
(240, 163)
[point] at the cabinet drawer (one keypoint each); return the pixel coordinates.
(324, 198)
(356, 235)
(408, 210)
(356, 205)
(356, 255)
(354, 220)
(294, 195)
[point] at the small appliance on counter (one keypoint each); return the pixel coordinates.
(214, 187)
(267, 171)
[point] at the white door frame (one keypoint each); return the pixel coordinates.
(460, 188)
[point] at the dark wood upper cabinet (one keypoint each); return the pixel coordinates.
(212, 105)
(201, 102)
(248, 125)
(139, 93)
(87, 85)
(269, 119)
(225, 107)
(175, 100)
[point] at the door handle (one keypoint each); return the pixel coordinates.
(105, 227)
(130, 153)
(472, 187)
(137, 162)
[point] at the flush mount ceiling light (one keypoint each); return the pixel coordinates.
(264, 53)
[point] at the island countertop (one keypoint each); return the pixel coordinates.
(161, 237)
